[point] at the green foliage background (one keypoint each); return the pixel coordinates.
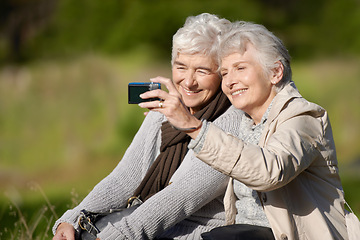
(64, 117)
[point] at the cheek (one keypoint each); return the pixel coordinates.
(176, 78)
(266, 84)
(213, 84)
(175, 72)
(223, 86)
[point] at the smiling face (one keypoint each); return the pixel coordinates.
(196, 79)
(245, 83)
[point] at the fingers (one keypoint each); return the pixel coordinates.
(158, 93)
(153, 105)
(161, 103)
(172, 107)
(155, 94)
(168, 84)
(168, 100)
(65, 231)
(59, 236)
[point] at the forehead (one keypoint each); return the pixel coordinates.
(198, 59)
(248, 55)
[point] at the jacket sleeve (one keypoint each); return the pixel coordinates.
(285, 154)
(194, 184)
(114, 190)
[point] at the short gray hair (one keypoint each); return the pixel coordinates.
(270, 48)
(200, 34)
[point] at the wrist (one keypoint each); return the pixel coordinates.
(189, 130)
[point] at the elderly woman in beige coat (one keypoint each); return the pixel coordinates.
(286, 151)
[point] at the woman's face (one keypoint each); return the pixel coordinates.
(196, 79)
(245, 83)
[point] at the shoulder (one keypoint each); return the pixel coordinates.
(154, 118)
(230, 113)
(301, 106)
(300, 117)
(151, 125)
(289, 103)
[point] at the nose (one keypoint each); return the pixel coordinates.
(190, 79)
(228, 80)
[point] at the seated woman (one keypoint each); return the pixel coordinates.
(286, 149)
(182, 196)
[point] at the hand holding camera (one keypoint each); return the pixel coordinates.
(171, 105)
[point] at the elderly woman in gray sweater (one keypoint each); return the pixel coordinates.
(182, 196)
(285, 148)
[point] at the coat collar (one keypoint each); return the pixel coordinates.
(285, 95)
(288, 93)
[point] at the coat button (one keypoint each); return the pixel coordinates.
(283, 237)
(264, 197)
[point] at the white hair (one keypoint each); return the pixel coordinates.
(270, 48)
(200, 34)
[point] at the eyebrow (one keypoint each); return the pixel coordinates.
(197, 67)
(234, 64)
(179, 63)
(239, 62)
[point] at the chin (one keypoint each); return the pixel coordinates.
(190, 102)
(238, 106)
(191, 105)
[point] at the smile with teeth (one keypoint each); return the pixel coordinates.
(188, 91)
(238, 92)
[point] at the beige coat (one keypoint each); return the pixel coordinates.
(294, 169)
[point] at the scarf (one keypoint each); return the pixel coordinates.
(174, 148)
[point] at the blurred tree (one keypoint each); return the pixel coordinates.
(307, 27)
(20, 21)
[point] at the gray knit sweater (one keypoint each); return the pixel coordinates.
(190, 205)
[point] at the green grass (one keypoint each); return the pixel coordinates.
(65, 123)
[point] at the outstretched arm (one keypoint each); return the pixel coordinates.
(287, 152)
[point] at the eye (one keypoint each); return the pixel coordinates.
(203, 71)
(179, 67)
(223, 74)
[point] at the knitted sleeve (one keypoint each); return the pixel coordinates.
(192, 187)
(114, 190)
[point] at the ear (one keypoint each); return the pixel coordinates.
(277, 73)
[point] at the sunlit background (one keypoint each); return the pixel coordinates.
(64, 68)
